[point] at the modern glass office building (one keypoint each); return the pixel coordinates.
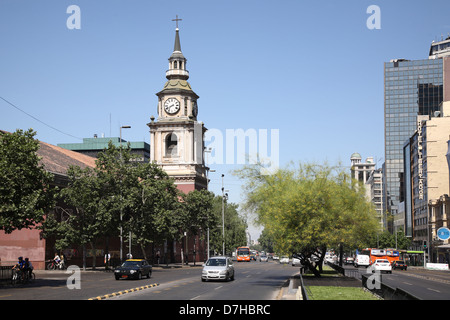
(411, 88)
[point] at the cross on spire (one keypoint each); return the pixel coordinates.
(176, 20)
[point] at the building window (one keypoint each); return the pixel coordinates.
(171, 145)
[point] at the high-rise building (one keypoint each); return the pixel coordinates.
(426, 178)
(411, 88)
(374, 193)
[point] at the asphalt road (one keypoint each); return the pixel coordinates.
(253, 281)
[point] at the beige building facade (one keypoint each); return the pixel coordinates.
(427, 177)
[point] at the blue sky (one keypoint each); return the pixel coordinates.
(312, 70)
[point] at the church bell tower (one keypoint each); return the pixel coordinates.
(176, 137)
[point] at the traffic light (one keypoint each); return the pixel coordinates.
(424, 244)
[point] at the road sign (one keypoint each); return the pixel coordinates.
(443, 233)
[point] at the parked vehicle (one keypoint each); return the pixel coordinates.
(218, 268)
(362, 260)
(133, 268)
(399, 264)
(295, 261)
(381, 265)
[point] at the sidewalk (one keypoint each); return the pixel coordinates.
(103, 269)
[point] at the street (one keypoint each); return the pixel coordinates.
(253, 281)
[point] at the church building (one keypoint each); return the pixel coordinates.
(176, 137)
(177, 141)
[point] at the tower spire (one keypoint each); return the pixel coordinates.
(177, 61)
(177, 46)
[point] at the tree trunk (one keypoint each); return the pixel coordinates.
(84, 256)
(94, 256)
(305, 261)
(144, 254)
(321, 256)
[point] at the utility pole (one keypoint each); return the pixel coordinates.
(121, 229)
(223, 218)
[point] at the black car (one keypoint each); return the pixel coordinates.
(133, 268)
(399, 264)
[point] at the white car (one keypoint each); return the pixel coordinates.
(218, 268)
(362, 260)
(381, 265)
(263, 258)
(295, 261)
(284, 259)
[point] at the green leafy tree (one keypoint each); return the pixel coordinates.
(308, 209)
(387, 240)
(153, 212)
(266, 241)
(25, 192)
(84, 224)
(96, 197)
(197, 206)
(235, 227)
(140, 199)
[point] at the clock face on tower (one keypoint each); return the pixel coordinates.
(172, 105)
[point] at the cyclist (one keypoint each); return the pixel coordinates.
(18, 267)
(63, 261)
(57, 259)
(28, 268)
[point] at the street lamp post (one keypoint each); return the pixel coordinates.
(121, 228)
(223, 219)
(208, 151)
(223, 216)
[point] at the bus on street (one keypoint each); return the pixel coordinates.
(243, 254)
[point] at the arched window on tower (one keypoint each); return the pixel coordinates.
(171, 145)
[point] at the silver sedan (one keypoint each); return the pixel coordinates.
(218, 268)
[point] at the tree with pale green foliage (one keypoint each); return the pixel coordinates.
(25, 192)
(309, 208)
